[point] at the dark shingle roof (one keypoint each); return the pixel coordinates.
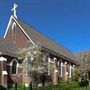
(7, 47)
(44, 41)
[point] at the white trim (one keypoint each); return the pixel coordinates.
(16, 66)
(13, 29)
(3, 59)
(61, 69)
(65, 63)
(56, 71)
(4, 73)
(24, 31)
(70, 67)
(20, 28)
(55, 58)
(67, 73)
(73, 66)
(8, 26)
(12, 61)
(14, 24)
(49, 60)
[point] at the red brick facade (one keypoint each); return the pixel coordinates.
(19, 37)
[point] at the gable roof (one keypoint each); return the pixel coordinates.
(35, 36)
(7, 47)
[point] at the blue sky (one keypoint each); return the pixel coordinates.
(65, 21)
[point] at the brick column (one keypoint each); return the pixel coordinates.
(66, 73)
(3, 71)
(49, 61)
(59, 68)
(73, 70)
(55, 75)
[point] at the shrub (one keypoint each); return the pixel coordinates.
(84, 83)
(2, 88)
(68, 85)
(10, 85)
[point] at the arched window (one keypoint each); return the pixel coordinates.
(14, 66)
(13, 28)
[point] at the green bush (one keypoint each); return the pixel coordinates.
(2, 88)
(68, 85)
(84, 83)
(10, 85)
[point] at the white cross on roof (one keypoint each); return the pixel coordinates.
(14, 10)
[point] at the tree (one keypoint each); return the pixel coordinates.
(34, 60)
(84, 59)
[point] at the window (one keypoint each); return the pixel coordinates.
(14, 66)
(14, 28)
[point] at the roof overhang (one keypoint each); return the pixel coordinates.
(60, 56)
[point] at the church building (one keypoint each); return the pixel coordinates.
(17, 35)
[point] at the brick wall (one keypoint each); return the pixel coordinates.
(19, 37)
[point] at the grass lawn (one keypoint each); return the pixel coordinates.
(52, 88)
(84, 88)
